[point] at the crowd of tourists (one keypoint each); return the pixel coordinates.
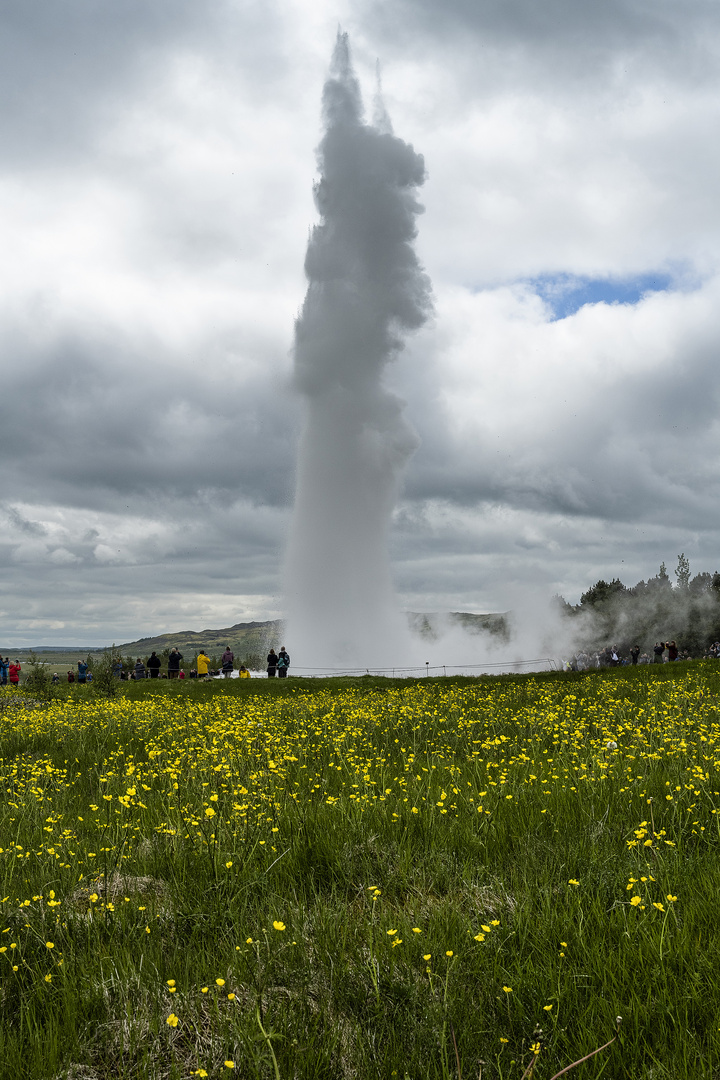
(151, 668)
(663, 652)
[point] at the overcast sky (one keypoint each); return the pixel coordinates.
(156, 171)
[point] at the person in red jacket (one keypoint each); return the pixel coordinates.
(14, 673)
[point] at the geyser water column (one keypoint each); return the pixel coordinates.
(366, 288)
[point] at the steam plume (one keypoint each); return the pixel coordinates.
(366, 288)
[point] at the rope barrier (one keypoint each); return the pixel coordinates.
(409, 672)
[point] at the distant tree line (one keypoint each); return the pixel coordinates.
(687, 611)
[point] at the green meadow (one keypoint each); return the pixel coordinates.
(452, 878)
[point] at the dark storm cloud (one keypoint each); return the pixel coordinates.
(577, 38)
(67, 66)
(61, 62)
(94, 419)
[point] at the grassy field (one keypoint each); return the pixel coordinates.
(451, 878)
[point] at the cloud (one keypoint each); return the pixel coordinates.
(561, 39)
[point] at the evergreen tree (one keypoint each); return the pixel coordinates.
(682, 573)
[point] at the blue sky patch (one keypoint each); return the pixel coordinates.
(566, 294)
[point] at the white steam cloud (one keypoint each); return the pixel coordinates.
(366, 289)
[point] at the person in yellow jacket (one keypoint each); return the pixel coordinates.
(243, 673)
(203, 663)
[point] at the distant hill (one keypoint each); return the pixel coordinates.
(432, 625)
(243, 638)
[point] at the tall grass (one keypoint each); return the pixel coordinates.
(363, 879)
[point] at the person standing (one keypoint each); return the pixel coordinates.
(672, 651)
(658, 651)
(14, 673)
(174, 663)
(153, 665)
(139, 669)
(283, 663)
(272, 662)
(227, 662)
(203, 664)
(82, 672)
(634, 653)
(4, 670)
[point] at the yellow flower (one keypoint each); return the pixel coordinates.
(48, 978)
(573, 881)
(203, 989)
(172, 1020)
(507, 989)
(635, 900)
(49, 945)
(547, 1008)
(228, 865)
(391, 932)
(231, 997)
(671, 898)
(278, 925)
(449, 952)
(416, 930)
(209, 812)
(427, 956)
(220, 982)
(659, 907)
(229, 1064)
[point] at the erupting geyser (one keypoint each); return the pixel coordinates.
(366, 288)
